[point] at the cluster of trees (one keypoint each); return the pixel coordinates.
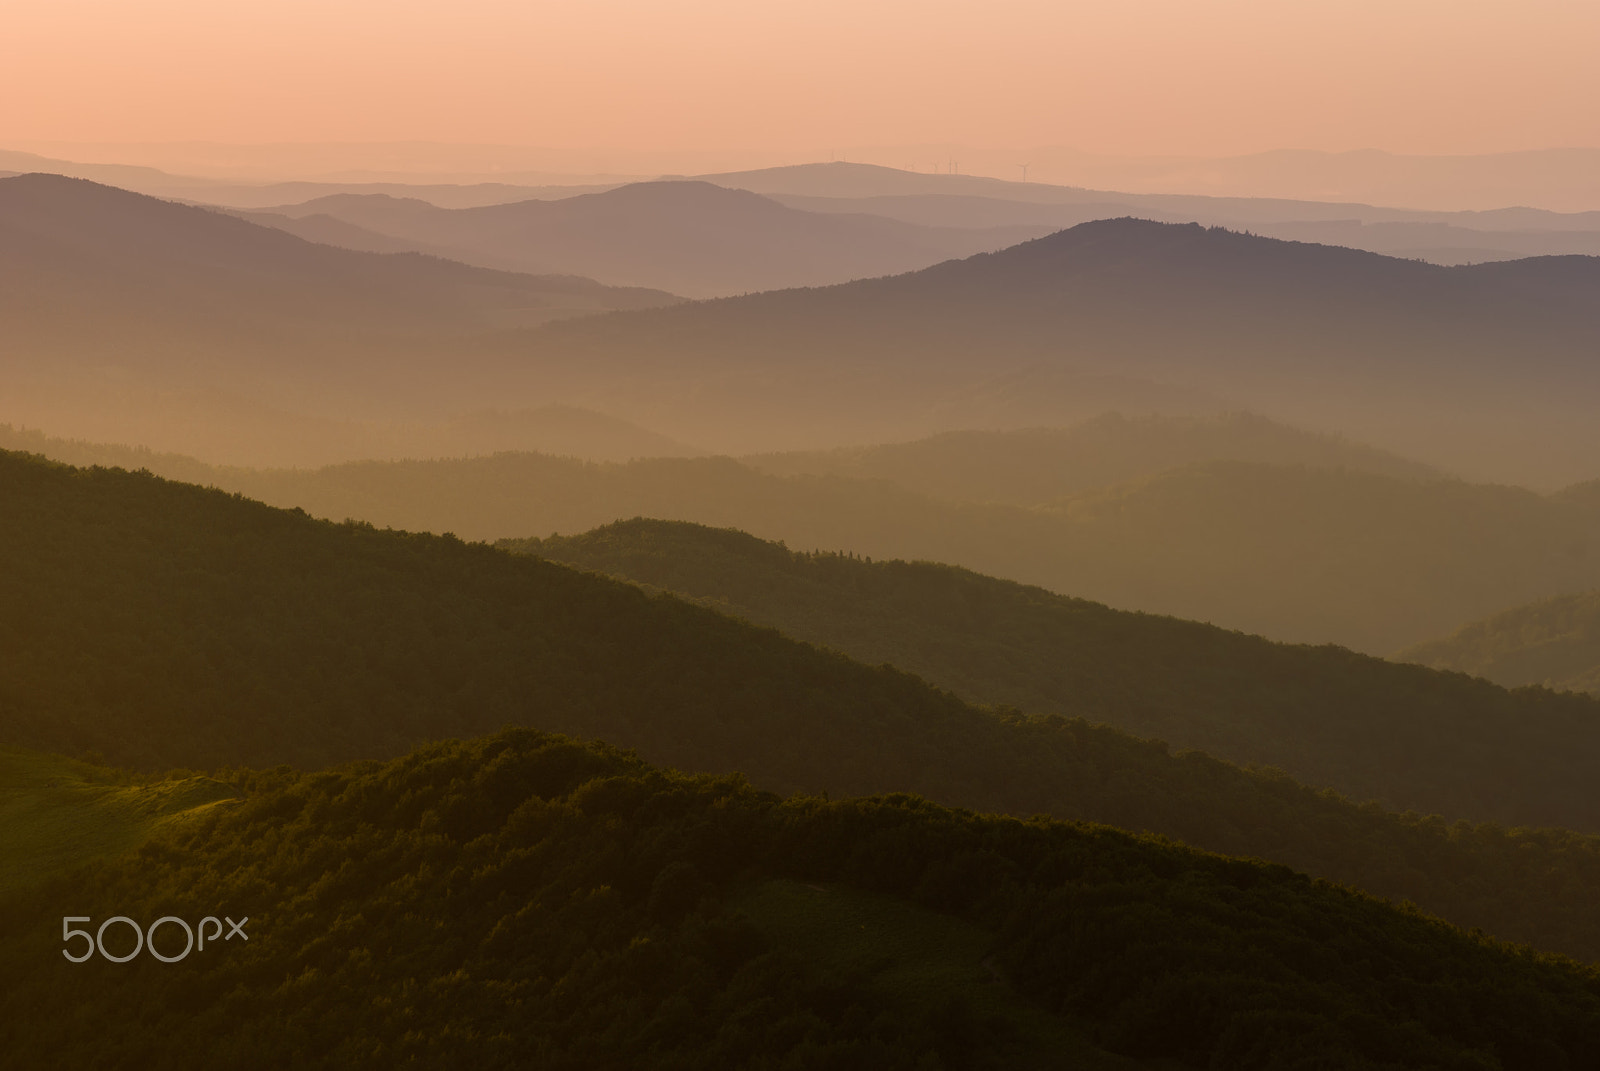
(159, 625)
(526, 900)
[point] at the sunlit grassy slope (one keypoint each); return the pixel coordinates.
(57, 812)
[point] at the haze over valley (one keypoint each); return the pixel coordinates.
(800, 537)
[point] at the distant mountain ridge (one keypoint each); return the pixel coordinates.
(559, 431)
(1034, 466)
(1482, 369)
(690, 238)
(117, 305)
(112, 299)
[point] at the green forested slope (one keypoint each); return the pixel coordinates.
(1369, 561)
(161, 624)
(525, 901)
(1424, 740)
(1554, 643)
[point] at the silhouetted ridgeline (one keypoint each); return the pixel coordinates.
(115, 302)
(166, 322)
(160, 625)
(690, 238)
(522, 900)
(1479, 369)
(1418, 739)
(1295, 553)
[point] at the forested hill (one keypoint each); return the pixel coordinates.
(1416, 738)
(1554, 643)
(289, 618)
(524, 901)
(1292, 552)
(161, 624)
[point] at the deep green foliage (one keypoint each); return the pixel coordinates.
(164, 625)
(526, 901)
(1554, 643)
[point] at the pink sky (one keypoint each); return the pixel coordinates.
(1135, 77)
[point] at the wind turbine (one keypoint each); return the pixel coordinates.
(1025, 170)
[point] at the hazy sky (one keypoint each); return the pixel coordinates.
(1120, 76)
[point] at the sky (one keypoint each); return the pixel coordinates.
(1137, 77)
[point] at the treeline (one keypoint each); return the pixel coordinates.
(525, 900)
(163, 625)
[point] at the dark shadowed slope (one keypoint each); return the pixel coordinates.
(1036, 465)
(1486, 369)
(690, 238)
(524, 901)
(158, 623)
(1292, 552)
(1554, 643)
(1296, 552)
(1326, 715)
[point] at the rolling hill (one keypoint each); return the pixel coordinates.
(1034, 466)
(523, 900)
(160, 624)
(1325, 715)
(1480, 369)
(690, 238)
(118, 303)
(1369, 561)
(1554, 643)
(558, 430)
(127, 312)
